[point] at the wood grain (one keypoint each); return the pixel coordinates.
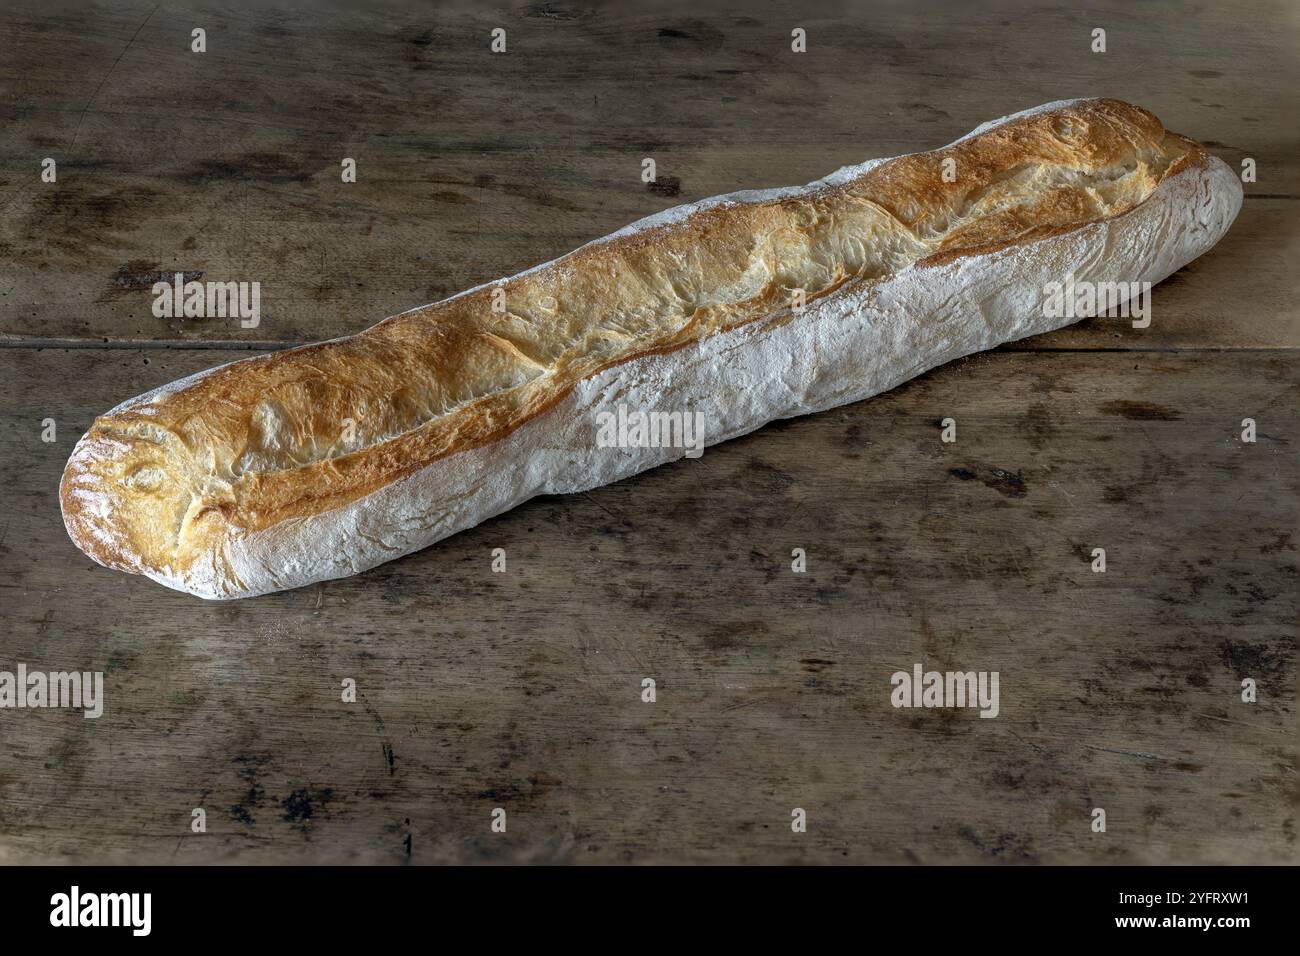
(226, 165)
(522, 690)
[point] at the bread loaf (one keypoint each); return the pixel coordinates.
(323, 461)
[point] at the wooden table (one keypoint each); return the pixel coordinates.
(1119, 690)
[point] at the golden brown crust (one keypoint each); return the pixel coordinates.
(266, 441)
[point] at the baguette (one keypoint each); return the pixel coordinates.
(324, 461)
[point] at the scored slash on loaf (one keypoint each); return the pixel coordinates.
(323, 461)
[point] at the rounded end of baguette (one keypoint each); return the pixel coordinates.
(131, 494)
(92, 512)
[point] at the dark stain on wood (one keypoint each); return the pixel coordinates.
(1249, 660)
(1139, 411)
(79, 216)
(1011, 484)
(665, 186)
(139, 275)
(302, 805)
(247, 768)
(261, 167)
(1003, 845)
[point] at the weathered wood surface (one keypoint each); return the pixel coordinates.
(522, 690)
(474, 165)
